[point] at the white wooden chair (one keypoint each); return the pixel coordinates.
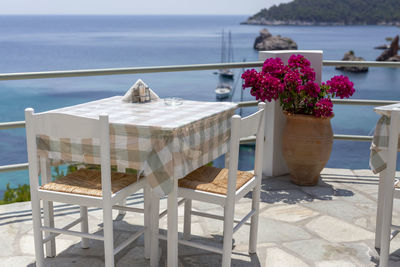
(80, 187)
(387, 190)
(226, 186)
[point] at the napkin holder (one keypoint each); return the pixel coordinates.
(139, 93)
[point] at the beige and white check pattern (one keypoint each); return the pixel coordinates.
(164, 142)
(377, 160)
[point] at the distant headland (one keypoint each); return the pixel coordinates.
(330, 12)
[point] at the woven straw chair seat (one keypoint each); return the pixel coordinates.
(88, 182)
(213, 180)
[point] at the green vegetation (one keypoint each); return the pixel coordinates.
(22, 192)
(334, 11)
(19, 194)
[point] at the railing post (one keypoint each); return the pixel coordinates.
(274, 163)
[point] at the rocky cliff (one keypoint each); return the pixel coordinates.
(266, 41)
(390, 54)
(350, 56)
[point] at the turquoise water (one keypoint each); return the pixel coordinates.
(41, 43)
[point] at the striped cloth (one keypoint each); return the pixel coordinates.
(379, 146)
(163, 142)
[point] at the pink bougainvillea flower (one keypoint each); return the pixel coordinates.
(263, 85)
(250, 78)
(275, 67)
(308, 74)
(292, 80)
(323, 108)
(298, 61)
(272, 87)
(311, 89)
(341, 86)
(294, 85)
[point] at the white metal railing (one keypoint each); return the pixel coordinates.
(124, 71)
(175, 68)
(14, 167)
(12, 125)
(197, 67)
(341, 63)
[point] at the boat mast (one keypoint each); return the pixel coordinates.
(230, 51)
(223, 48)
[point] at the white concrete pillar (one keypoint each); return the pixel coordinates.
(274, 163)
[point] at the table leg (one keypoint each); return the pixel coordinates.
(147, 220)
(172, 236)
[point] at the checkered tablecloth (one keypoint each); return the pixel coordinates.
(379, 146)
(163, 142)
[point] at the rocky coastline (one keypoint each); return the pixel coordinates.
(263, 21)
(390, 54)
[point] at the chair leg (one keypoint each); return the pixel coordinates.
(154, 220)
(108, 236)
(48, 209)
(48, 216)
(37, 232)
(187, 223)
(255, 205)
(379, 212)
(388, 176)
(122, 203)
(84, 225)
(228, 235)
(147, 214)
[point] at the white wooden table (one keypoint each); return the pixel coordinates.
(163, 142)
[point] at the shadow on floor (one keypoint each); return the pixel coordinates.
(133, 255)
(280, 189)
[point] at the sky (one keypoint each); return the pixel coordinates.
(115, 7)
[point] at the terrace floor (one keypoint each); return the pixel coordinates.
(331, 224)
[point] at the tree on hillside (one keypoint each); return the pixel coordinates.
(334, 11)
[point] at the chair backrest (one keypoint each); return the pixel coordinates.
(244, 127)
(393, 143)
(58, 125)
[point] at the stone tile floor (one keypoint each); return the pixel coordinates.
(331, 224)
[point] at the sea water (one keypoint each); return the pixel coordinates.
(45, 43)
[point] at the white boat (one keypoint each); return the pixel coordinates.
(223, 91)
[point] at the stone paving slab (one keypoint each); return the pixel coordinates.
(328, 225)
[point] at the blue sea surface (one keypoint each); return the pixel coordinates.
(44, 43)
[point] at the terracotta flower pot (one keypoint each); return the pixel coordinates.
(307, 145)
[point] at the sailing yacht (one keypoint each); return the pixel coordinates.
(223, 90)
(226, 56)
